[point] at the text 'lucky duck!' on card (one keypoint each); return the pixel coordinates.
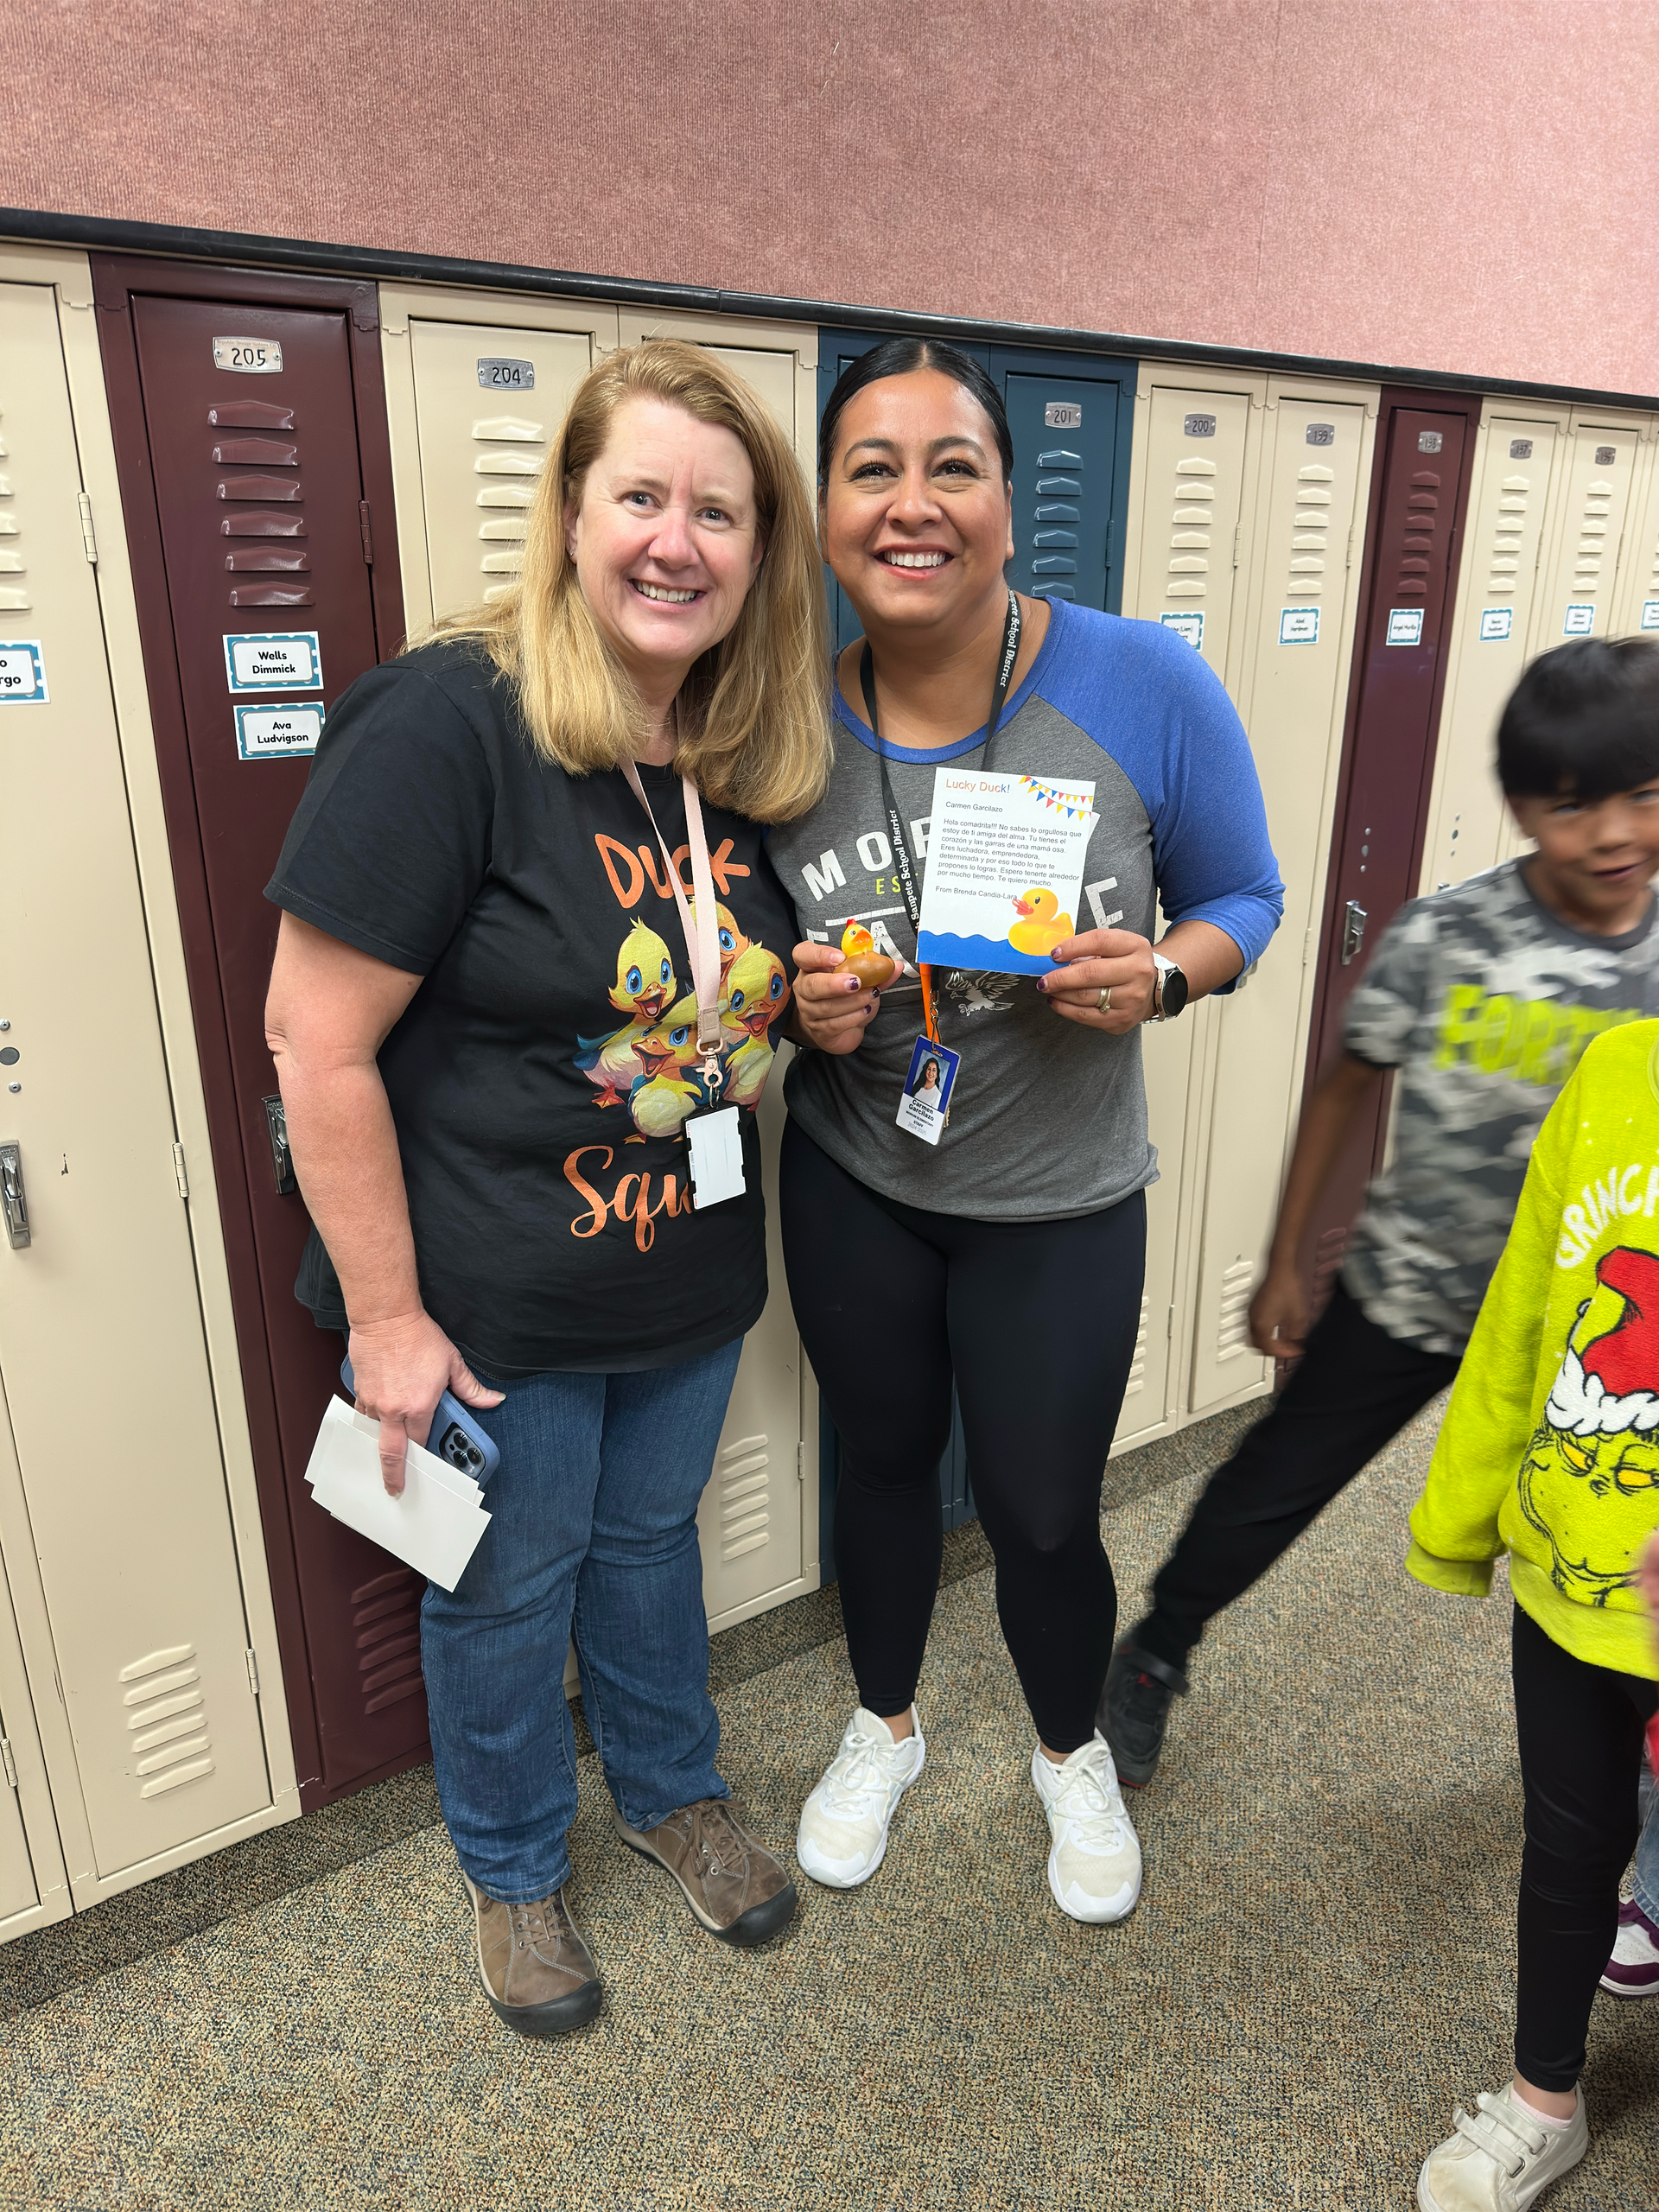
(1005, 868)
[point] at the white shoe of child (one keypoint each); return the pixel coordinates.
(1499, 2157)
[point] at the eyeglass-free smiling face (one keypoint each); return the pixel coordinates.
(1595, 858)
(665, 536)
(915, 515)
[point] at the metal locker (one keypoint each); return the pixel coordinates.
(464, 466)
(1297, 641)
(1588, 530)
(1189, 499)
(760, 1511)
(246, 411)
(1635, 610)
(1419, 492)
(115, 1519)
(1517, 453)
(33, 1886)
(476, 384)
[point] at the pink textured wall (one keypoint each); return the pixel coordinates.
(1460, 185)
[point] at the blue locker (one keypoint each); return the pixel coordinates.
(1072, 417)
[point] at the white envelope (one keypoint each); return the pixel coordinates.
(435, 1526)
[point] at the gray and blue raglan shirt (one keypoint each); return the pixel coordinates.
(1049, 1116)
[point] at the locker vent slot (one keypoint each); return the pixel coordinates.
(169, 1744)
(1310, 538)
(1234, 1317)
(1507, 538)
(1192, 493)
(515, 449)
(13, 597)
(387, 1623)
(1328, 1255)
(1417, 544)
(742, 1472)
(1592, 528)
(1138, 1365)
(260, 452)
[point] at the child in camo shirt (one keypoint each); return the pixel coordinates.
(1484, 998)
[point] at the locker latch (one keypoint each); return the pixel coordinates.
(8, 1762)
(12, 1197)
(1353, 929)
(276, 1130)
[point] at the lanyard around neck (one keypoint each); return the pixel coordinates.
(702, 935)
(904, 866)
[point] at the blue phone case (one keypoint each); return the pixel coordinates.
(454, 1435)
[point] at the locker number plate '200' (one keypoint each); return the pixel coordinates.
(251, 356)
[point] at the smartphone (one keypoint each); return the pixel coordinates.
(454, 1435)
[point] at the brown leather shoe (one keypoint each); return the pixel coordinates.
(733, 1884)
(537, 1971)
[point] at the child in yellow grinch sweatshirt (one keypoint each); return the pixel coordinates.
(1550, 1451)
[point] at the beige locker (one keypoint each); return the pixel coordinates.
(34, 1887)
(1511, 501)
(477, 384)
(115, 1522)
(463, 464)
(1582, 559)
(1292, 693)
(779, 359)
(1193, 455)
(1167, 1059)
(1636, 611)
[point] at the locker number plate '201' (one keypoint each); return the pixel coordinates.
(250, 357)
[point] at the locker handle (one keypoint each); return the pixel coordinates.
(281, 1160)
(1353, 929)
(12, 1197)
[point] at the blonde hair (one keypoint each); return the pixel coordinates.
(754, 709)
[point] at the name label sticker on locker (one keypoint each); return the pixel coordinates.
(277, 732)
(22, 674)
(1650, 614)
(1299, 625)
(1405, 626)
(275, 660)
(1496, 624)
(1581, 619)
(1190, 626)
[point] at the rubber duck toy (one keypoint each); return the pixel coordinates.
(644, 984)
(663, 1096)
(732, 940)
(873, 968)
(1041, 926)
(759, 993)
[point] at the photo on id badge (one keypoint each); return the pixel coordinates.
(926, 1103)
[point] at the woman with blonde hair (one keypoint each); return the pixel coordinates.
(528, 857)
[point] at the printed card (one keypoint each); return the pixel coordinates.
(1005, 868)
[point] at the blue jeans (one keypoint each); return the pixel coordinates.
(594, 1526)
(1645, 1888)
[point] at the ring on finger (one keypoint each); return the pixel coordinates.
(1103, 1003)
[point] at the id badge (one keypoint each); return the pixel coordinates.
(926, 1107)
(716, 1141)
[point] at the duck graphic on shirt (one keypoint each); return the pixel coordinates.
(643, 986)
(1592, 1467)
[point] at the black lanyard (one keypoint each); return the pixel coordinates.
(903, 865)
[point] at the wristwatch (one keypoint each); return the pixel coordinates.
(1168, 990)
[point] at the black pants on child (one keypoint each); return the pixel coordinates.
(1036, 1320)
(1580, 1730)
(1355, 1388)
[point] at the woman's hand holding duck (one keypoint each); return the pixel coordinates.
(832, 1008)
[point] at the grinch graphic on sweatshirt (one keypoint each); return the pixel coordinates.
(1592, 1465)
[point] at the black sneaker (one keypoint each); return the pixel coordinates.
(1134, 1711)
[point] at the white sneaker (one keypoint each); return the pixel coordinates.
(843, 1837)
(1499, 2158)
(1094, 1868)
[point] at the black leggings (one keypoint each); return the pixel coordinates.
(1580, 1730)
(1037, 1320)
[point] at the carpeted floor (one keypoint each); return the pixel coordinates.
(1320, 1969)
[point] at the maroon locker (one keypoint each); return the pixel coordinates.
(259, 508)
(1420, 489)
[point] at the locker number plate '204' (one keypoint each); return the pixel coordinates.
(497, 373)
(251, 356)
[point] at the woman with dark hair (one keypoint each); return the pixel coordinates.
(1010, 1252)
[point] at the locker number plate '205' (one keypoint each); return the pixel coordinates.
(251, 357)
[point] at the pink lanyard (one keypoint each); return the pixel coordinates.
(702, 937)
